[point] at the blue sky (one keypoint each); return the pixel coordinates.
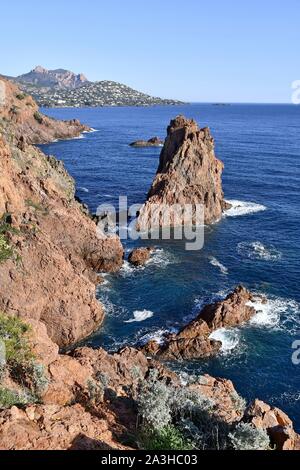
(195, 50)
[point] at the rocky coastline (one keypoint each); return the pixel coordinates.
(153, 142)
(50, 258)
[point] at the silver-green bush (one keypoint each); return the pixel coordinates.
(247, 437)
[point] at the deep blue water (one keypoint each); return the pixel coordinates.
(260, 147)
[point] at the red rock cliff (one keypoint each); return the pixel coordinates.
(50, 274)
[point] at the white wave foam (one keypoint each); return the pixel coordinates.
(128, 269)
(228, 337)
(90, 131)
(215, 262)
(158, 336)
(85, 190)
(276, 313)
(243, 208)
(256, 250)
(160, 258)
(79, 137)
(140, 315)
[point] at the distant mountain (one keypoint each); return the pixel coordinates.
(57, 79)
(62, 88)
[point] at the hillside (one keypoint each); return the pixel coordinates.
(59, 78)
(62, 88)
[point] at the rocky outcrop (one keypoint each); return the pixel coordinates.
(20, 112)
(140, 256)
(194, 341)
(52, 427)
(153, 142)
(55, 248)
(57, 79)
(188, 173)
(278, 425)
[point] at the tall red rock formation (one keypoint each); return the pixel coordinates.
(188, 173)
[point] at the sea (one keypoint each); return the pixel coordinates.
(257, 242)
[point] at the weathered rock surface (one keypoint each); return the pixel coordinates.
(57, 79)
(88, 424)
(52, 427)
(140, 256)
(153, 142)
(193, 341)
(278, 425)
(56, 247)
(188, 173)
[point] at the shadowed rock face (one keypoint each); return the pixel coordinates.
(188, 173)
(193, 341)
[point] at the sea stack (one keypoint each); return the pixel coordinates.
(188, 173)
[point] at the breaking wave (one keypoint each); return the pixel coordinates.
(140, 315)
(215, 262)
(256, 250)
(276, 313)
(243, 208)
(228, 337)
(159, 258)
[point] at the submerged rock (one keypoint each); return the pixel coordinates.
(153, 142)
(188, 173)
(193, 341)
(55, 248)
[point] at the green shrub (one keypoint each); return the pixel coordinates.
(9, 398)
(167, 438)
(193, 415)
(14, 335)
(21, 96)
(38, 117)
(6, 251)
(38, 377)
(247, 437)
(15, 110)
(154, 402)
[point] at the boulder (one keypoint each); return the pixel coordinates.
(140, 256)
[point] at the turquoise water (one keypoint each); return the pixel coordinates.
(260, 147)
